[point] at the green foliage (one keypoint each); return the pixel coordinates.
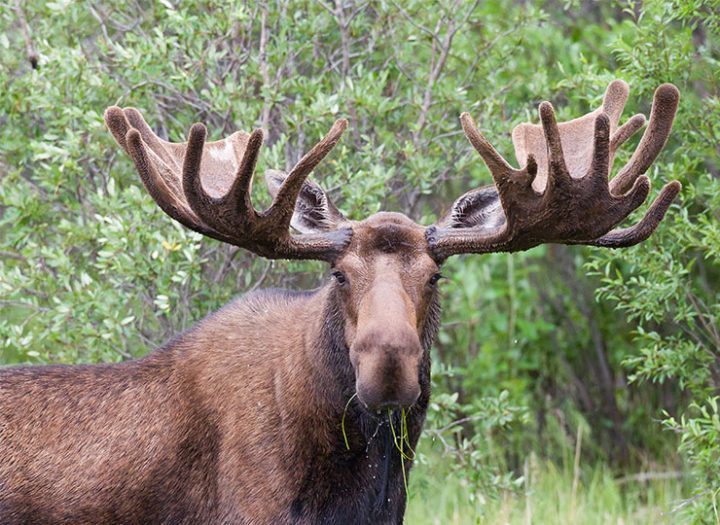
(469, 437)
(699, 427)
(92, 271)
(671, 290)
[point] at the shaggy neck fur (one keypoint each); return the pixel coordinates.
(362, 484)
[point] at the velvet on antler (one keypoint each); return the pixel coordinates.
(562, 193)
(206, 186)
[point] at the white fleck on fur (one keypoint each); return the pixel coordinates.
(224, 154)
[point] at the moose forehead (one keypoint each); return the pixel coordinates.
(387, 236)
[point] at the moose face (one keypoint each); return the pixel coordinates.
(387, 282)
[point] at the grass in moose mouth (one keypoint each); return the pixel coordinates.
(402, 443)
(401, 438)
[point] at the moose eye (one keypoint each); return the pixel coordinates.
(435, 278)
(339, 277)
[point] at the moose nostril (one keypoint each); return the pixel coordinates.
(394, 404)
(385, 405)
(378, 397)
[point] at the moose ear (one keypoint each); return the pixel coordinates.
(479, 208)
(314, 211)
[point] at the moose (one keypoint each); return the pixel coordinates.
(250, 419)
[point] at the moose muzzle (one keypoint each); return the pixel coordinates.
(386, 353)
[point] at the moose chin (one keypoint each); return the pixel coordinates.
(281, 408)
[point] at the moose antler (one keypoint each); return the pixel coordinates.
(206, 186)
(562, 194)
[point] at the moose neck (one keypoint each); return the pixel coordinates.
(364, 472)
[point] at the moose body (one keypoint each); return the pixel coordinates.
(223, 425)
(296, 408)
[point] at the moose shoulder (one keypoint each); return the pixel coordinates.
(249, 418)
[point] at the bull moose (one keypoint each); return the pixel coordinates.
(281, 408)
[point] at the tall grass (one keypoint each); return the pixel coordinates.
(549, 494)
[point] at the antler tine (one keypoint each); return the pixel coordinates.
(195, 194)
(242, 186)
(616, 96)
(662, 114)
(284, 202)
(614, 100)
(625, 237)
(627, 130)
(117, 124)
(149, 137)
(499, 168)
(600, 164)
(558, 174)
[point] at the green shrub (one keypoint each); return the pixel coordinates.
(91, 270)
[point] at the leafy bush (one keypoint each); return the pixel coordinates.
(670, 292)
(91, 270)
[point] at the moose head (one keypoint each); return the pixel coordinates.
(386, 268)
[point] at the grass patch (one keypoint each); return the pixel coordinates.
(546, 497)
